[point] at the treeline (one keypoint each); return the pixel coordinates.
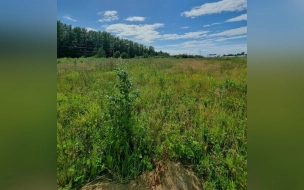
(243, 53)
(187, 56)
(77, 42)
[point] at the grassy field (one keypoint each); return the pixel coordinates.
(118, 118)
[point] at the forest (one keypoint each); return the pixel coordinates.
(75, 42)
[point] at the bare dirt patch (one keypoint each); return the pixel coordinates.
(169, 175)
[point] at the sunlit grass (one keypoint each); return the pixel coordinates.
(189, 110)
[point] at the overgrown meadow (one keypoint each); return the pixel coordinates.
(117, 118)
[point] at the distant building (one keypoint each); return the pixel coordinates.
(212, 55)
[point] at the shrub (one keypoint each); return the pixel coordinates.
(146, 55)
(101, 53)
(127, 142)
(124, 55)
(117, 54)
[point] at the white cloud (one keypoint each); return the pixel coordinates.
(211, 44)
(238, 18)
(232, 32)
(230, 38)
(90, 29)
(69, 18)
(146, 33)
(197, 34)
(135, 18)
(211, 24)
(184, 27)
(108, 16)
(216, 7)
(205, 47)
(193, 44)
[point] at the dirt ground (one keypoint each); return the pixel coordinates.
(172, 176)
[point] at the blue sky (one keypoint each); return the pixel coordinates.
(185, 26)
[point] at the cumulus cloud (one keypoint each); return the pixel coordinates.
(184, 27)
(196, 34)
(238, 18)
(108, 16)
(146, 33)
(69, 18)
(90, 29)
(232, 32)
(216, 7)
(135, 18)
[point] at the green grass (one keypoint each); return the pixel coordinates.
(189, 110)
